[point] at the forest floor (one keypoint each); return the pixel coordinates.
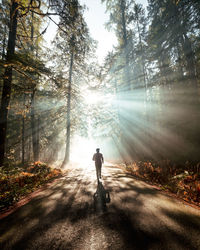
(120, 212)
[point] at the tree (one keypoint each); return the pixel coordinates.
(8, 77)
(4, 20)
(175, 69)
(119, 16)
(74, 42)
(20, 9)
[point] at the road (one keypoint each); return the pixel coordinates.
(121, 213)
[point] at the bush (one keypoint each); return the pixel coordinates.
(39, 167)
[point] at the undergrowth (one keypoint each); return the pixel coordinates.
(183, 180)
(17, 181)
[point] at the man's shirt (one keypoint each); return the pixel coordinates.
(98, 158)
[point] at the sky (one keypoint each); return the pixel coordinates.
(96, 17)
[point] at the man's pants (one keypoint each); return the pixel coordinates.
(98, 170)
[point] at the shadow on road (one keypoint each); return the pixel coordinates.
(66, 216)
(101, 198)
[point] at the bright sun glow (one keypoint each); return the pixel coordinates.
(82, 151)
(92, 98)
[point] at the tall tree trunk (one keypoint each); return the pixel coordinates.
(38, 137)
(142, 56)
(23, 131)
(4, 43)
(190, 57)
(128, 85)
(67, 150)
(180, 65)
(118, 100)
(7, 80)
(29, 146)
(33, 128)
(144, 88)
(187, 48)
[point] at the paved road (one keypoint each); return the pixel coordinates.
(122, 213)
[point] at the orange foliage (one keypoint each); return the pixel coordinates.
(26, 174)
(38, 163)
(198, 188)
(14, 186)
(184, 181)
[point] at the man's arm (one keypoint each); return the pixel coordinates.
(102, 158)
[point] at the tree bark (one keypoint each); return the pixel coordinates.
(67, 151)
(34, 125)
(38, 137)
(125, 47)
(190, 57)
(6, 92)
(34, 129)
(29, 146)
(187, 48)
(23, 131)
(4, 43)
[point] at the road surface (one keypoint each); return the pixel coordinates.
(121, 213)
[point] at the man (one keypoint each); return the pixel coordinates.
(98, 158)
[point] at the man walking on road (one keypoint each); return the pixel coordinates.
(98, 158)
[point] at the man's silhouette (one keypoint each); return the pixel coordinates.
(101, 198)
(98, 158)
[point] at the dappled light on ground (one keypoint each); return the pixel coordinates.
(69, 215)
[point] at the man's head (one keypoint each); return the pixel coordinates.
(97, 150)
